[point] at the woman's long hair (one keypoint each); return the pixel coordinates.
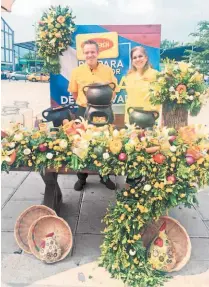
(144, 52)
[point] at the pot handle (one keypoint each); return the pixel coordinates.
(114, 85)
(155, 114)
(128, 110)
(84, 90)
(45, 114)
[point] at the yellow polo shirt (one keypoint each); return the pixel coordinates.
(83, 76)
(137, 88)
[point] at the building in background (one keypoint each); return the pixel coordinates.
(7, 47)
(26, 58)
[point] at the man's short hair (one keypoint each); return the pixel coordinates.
(91, 42)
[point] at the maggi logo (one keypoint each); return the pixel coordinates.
(103, 43)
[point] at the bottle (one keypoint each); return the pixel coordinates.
(26, 112)
(10, 115)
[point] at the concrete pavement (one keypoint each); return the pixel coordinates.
(83, 211)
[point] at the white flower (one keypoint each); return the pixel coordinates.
(49, 155)
(97, 134)
(63, 144)
(191, 98)
(106, 155)
(132, 252)
(143, 139)
(172, 89)
(12, 145)
(115, 133)
(27, 151)
(147, 187)
(173, 148)
(18, 137)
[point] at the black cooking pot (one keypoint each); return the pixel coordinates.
(57, 115)
(99, 93)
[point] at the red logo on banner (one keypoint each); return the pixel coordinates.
(104, 43)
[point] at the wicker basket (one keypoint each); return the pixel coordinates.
(177, 233)
(48, 224)
(24, 222)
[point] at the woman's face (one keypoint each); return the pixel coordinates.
(139, 60)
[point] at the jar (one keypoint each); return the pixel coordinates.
(26, 112)
(9, 115)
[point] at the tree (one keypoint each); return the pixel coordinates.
(167, 44)
(200, 58)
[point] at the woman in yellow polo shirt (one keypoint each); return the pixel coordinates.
(138, 81)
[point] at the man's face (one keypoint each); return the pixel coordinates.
(90, 54)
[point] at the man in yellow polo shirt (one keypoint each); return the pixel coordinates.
(85, 74)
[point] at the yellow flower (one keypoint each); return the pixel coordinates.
(206, 164)
(183, 67)
(129, 209)
(192, 167)
(126, 206)
(182, 195)
(69, 153)
(33, 157)
(138, 147)
(125, 193)
(137, 237)
(168, 190)
(94, 156)
(60, 19)
(161, 185)
(201, 160)
(197, 77)
(132, 191)
(154, 169)
(173, 159)
(115, 146)
(156, 185)
(122, 217)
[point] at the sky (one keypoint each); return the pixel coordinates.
(178, 18)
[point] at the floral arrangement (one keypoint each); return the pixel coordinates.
(54, 34)
(169, 166)
(179, 85)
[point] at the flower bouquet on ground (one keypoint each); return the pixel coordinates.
(180, 89)
(54, 35)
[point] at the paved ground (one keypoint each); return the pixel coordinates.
(83, 211)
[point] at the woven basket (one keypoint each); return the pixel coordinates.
(48, 224)
(24, 222)
(176, 233)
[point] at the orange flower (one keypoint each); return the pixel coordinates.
(60, 19)
(195, 152)
(188, 134)
(181, 88)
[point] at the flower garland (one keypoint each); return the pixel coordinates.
(54, 36)
(179, 85)
(172, 166)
